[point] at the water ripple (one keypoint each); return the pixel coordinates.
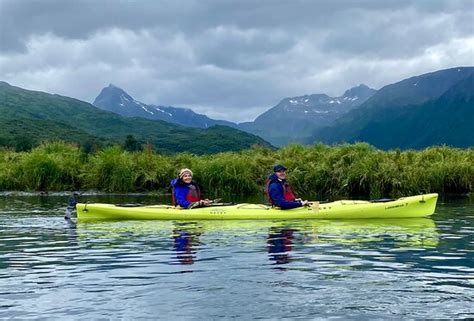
(307, 269)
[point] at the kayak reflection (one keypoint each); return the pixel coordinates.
(187, 239)
(419, 232)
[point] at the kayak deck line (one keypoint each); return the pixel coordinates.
(405, 207)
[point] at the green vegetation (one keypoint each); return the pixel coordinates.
(344, 170)
(28, 118)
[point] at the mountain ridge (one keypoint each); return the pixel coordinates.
(380, 117)
(82, 120)
(300, 115)
(114, 99)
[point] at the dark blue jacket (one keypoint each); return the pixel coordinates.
(275, 192)
(181, 191)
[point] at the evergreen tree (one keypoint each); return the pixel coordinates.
(131, 144)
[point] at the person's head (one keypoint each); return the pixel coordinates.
(280, 171)
(186, 175)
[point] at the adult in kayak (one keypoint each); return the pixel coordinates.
(186, 192)
(280, 192)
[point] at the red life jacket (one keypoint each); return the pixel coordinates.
(194, 194)
(287, 191)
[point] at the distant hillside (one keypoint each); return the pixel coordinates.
(23, 134)
(295, 119)
(116, 100)
(409, 113)
(43, 116)
(447, 120)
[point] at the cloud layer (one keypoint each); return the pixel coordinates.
(229, 59)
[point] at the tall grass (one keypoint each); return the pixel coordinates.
(8, 161)
(344, 170)
(51, 166)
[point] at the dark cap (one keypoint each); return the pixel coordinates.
(278, 168)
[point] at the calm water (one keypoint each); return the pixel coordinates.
(415, 268)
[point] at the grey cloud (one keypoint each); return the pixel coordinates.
(404, 33)
(231, 48)
(78, 19)
(229, 58)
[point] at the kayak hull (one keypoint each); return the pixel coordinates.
(406, 207)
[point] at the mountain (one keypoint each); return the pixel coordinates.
(295, 119)
(116, 100)
(39, 116)
(386, 120)
(301, 115)
(446, 120)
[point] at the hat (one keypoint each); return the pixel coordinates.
(278, 168)
(183, 171)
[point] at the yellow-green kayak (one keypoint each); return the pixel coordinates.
(406, 207)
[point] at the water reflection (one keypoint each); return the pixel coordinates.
(185, 240)
(279, 244)
(416, 232)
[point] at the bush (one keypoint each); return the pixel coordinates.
(50, 166)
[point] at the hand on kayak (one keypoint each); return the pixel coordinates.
(303, 202)
(200, 203)
(205, 202)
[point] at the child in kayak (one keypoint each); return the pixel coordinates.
(186, 192)
(280, 192)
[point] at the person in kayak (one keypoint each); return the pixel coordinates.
(186, 192)
(280, 192)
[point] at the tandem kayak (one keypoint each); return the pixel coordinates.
(406, 207)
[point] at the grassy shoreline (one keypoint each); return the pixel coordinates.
(343, 170)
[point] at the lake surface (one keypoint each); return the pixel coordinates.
(412, 268)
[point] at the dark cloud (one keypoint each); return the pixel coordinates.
(230, 59)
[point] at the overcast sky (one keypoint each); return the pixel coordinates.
(228, 59)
